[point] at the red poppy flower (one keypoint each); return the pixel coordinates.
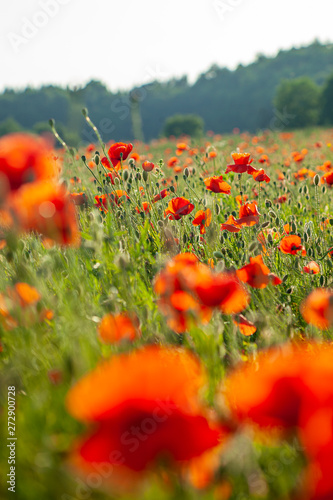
(162, 194)
(145, 208)
(242, 164)
(148, 166)
(248, 214)
(217, 185)
(312, 268)
(256, 274)
(178, 207)
(317, 308)
(245, 326)
(46, 208)
(221, 290)
(116, 327)
(24, 158)
(202, 219)
(119, 151)
(261, 176)
(231, 225)
(328, 178)
(292, 244)
(153, 412)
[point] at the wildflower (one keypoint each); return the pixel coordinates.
(162, 194)
(178, 207)
(312, 268)
(248, 214)
(242, 164)
(148, 166)
(217, 185)
(46, 208)
(317, 308)
(231, 225)
(202, 219)
(261, 176)
(116, 327)
(246, 327)
(24, 158)
(119, 151)
(256, 274)
(153, 412)
(292, 244)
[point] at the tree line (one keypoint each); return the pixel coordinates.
(293, 89)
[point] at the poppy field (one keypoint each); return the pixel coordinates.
(166, 317)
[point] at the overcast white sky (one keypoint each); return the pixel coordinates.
(127, 42)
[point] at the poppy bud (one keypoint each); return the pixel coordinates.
(138, 176)
(51, 122)
(268, 203)
(85, 112)
(125, 175)
(277, 221)
(186, 172)
(172, 189)
(83, 158)
(331, 222)
(293, 227)
(253, 246)
(322, 280)
(305, 237)
(218, 255)
(306, 189)
(145, 175)
(217, 209)
(290, 290)
(299, 205)
(285, 277)
(265, 224)
(96, 159)
(323, 189)
(316, 180)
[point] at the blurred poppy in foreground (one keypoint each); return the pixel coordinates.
(24, 158)
(317, 308)
(18, 306)
(178, 207)
(291, 390)
(151, 417)
(245, 326)
(46, 208)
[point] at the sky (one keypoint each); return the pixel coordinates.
(131, 42)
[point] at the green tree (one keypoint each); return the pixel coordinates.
(9, 126)
(298, 101)
(177, 125)
(326, 103)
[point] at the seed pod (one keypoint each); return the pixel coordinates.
(316, 180)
